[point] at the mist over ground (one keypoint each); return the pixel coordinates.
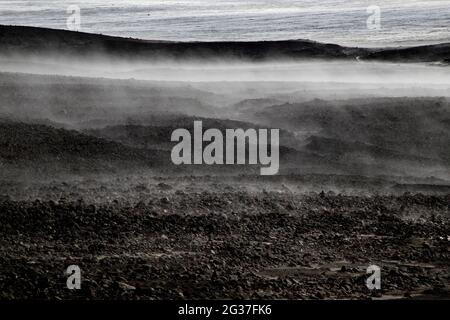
(384, 74)
(85, 142)
(337, 117)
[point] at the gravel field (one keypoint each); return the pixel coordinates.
(195, 245)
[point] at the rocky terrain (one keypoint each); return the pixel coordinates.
(42, 41)
(101, 193)
(176, 245)
(86, 177)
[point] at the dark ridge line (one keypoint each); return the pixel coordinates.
(44, 41)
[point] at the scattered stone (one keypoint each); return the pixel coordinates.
(125, 286)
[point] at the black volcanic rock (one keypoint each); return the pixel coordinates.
(438, 52)
(21, 141)
(274, 245)
(32, 40)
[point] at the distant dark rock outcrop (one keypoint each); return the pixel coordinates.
(32, 40)
(34, 142)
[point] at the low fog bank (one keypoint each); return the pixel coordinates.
(314, 71)
(336, 117)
